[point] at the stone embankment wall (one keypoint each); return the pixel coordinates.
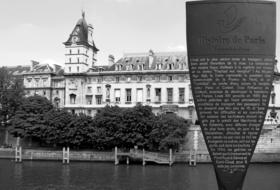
(267, 149)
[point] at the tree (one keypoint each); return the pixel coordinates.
(11, 95)
(29, 119)
(107, 122)
(136, 126)
(169, 131)
(53, 133)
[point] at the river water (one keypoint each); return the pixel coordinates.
(48, 175)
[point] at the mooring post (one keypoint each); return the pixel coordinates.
(68, 155)
(170, 157)
(63, 152)
(143, 157)
(18, 154)
(127, 160)
(116, 156)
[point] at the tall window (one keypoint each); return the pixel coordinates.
(45, 82)
(108, 92)
(99, 89)
(89, 89)
(169, 95)
(117, 79)
(37, 82)
(190, 94)
(158, 78)
(158, 95)
(128, 95)
(139, 95)
(181, 95)
(98, 100)
(139, 78)
(170, 78)
(78, 69)
(99, 79)
(69, 69)
(117, 95)
(89, 112)
(72, 98)
(89, 100)
(148, 91)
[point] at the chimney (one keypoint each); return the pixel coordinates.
(56, 67)
(111, 60)
(151, 57)
(33, 64)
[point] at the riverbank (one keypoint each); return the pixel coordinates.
(99, 156)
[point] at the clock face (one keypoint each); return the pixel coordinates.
(74, 39)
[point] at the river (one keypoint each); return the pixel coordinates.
(48, 175)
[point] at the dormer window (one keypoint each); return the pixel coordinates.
(170, 66)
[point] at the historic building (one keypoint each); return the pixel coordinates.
(160, 80)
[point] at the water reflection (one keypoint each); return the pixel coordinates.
(18, 173)
(39, 175)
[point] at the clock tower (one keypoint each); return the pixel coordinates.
(80, 48)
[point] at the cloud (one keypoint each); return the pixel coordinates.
(176, 48)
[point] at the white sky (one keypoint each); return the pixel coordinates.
(36, 29)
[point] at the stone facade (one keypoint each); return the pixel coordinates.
(160, 80)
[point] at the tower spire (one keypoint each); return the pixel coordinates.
(83, 13)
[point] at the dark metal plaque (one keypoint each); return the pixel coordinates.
(231, 51)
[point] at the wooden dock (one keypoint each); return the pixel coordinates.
(145, 156)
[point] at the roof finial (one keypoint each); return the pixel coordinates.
(83, 13)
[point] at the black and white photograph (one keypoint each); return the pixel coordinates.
(139, 95)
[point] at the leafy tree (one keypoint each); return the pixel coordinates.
(77, 130)
(56, 124)
(136, 126)
(29, 119)
(11, 95)
(107, 123)
(169, 131)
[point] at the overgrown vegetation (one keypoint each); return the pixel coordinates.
(111, 126)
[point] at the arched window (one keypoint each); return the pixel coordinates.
(72, 98)
(56, 102)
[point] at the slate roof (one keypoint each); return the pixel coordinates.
(18, 70)
(81, 31)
